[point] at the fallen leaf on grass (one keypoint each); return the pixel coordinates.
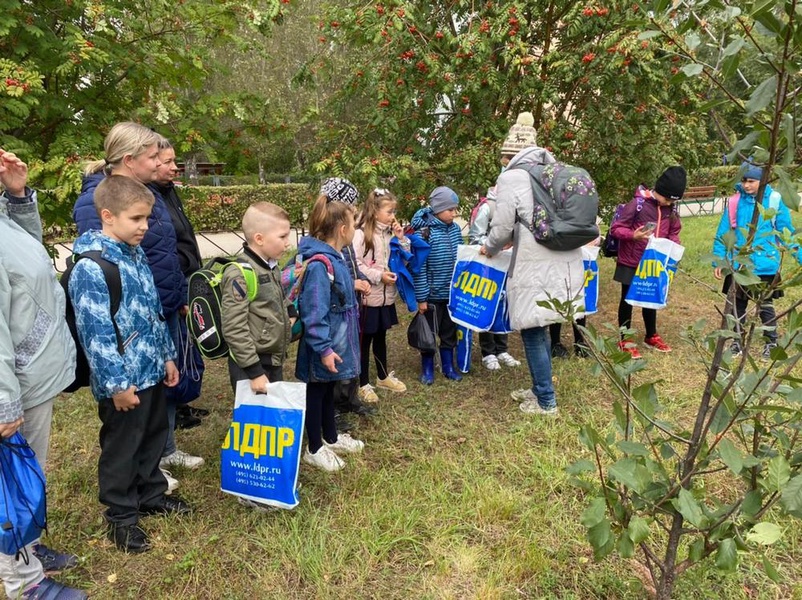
(112, 578)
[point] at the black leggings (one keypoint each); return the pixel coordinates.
(625, 314)
(555, 330)
(379, 341)
(320, 414)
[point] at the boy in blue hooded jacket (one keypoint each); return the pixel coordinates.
(128, 385)
(765, 252)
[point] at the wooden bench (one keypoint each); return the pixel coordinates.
(700, 200)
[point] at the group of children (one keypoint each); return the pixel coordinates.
(340, 329)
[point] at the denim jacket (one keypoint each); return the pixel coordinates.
(146, 340)
(330, 315)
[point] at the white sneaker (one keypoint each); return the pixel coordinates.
(324, 459)
(367, 395)
(179, 458)
(507, 360)
(172, 482)
(490, 362)
(345, 444)
(392, 383)
(524, 395)
(531, 407)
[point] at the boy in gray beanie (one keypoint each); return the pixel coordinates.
(433, 281)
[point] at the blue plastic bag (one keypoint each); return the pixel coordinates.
(23, 504)
(649, 288)
(464, 348)
(476, 287)
(590, 259)
(262, 450)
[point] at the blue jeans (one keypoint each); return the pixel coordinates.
(537, 346)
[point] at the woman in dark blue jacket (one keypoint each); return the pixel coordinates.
(132, 150)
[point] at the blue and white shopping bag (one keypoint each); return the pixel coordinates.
(655, 272)
(262, 450)
(590, 260)
(464, 348)
(476, 287)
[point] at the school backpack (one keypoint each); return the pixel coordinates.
(609, 247)
(111, 273)
(292, 279)
(475, 210)
(204, 318)
(732, 207)
(566, 205)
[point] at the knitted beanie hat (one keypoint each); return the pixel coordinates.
(671, 184)
(522, 135)
(337, 189)
(442, 198)
(751, 171)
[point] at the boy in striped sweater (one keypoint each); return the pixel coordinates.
(436, 224)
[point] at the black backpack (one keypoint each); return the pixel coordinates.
(566, 205)
(111, 273)
(204, 319)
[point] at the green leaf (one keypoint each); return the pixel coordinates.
(764, 534)
(727, 555)
(730, 456)
(790, 138)
(776, 475)
(733, 47)
(696, 550)
(625, 546)
(745, 278)
(689, 508)
(601, 538)
(638, 529)
(752, 503)
(632, 474)
(771, 572)
(791, 499)
(693, 69)
(788, 189)
(635, 448)
(594, 513)
(692, 40)
(581, 466)
(762, 96)
(731, 12)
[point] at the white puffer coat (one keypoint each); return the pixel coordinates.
(536, 273)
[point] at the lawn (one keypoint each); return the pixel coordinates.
(457, 495)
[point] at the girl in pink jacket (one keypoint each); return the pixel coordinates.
(376, 227)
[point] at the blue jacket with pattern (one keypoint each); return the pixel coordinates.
(146, 340)
(433, 281)
(330, 315)
(159, 244)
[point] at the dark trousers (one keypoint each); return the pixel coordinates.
(492, 343)
(320, 414)
(555, 330)
(379, 342)
(625, 314)
(131, 444)
(440, 321)
(235, 373)
(766, 312)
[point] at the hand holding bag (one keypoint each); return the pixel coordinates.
(23, 504)
(420, 336)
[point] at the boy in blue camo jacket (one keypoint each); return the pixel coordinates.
(128, 386)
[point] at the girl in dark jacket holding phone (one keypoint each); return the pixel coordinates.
(649, 213)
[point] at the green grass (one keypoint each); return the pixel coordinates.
(457, 495)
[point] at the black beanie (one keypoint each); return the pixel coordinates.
(671, 183)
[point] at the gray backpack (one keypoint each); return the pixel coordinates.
(566, 205)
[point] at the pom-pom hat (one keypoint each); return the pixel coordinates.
(522, 135)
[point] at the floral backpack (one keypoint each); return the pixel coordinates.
(566, 205)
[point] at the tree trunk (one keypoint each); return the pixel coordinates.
(191, 169)
(261, 172)
(665, 585)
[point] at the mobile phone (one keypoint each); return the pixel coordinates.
(650, 226)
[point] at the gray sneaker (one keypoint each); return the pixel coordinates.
(767, 350)
(532, 407)
(735, 349)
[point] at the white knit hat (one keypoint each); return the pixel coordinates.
(522, 135)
